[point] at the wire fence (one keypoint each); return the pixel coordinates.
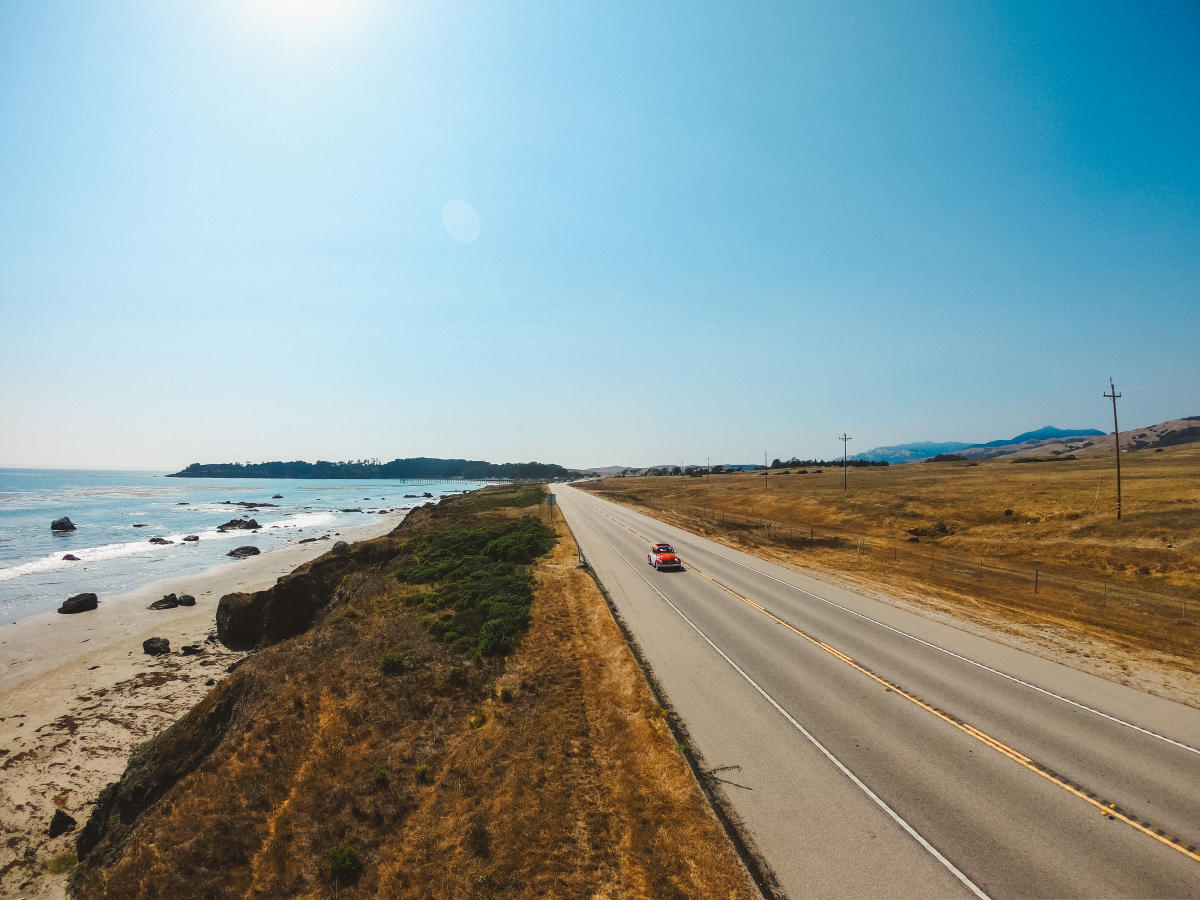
(1030, 585)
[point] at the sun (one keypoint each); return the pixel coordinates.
(308, 19)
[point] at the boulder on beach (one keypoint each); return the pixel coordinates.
(63, 524)
(191, 538)
(191, 649)
(156, 646)
(61, 823)
(239, 524)
(70, 557)
(186, 600)
(243, 552)
(160, 540)
(79, 603)
(170, 601)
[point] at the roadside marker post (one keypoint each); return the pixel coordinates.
(551, 502)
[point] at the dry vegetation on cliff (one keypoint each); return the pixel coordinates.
(367, 758)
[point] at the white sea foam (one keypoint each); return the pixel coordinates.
(55, 561)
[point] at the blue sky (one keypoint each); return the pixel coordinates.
(589, 233)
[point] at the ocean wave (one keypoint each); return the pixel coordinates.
(55, 561)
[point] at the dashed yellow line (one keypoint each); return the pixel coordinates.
(1110, 810)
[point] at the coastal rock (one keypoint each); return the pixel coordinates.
(191, 538)
(243, 552)
(427, 494)
(277, 496)
(156, 646)
(160, 540)
(239, 524)
(186, 600)
(79, 603)
(356, 509)
(288, 608)
(61, 823)
(63, 524)
(240, 622)
(182, 503)
(70, 557)
(340, 547)
(170, 601)
(191, 649)
(140, 525)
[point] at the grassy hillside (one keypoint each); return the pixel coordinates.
(1030, 541)
(402, 747)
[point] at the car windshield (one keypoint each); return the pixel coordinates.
(663, 548)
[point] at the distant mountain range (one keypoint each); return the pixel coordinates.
(1047, 441)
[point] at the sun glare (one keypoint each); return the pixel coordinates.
(309, 19)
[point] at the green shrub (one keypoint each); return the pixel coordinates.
(345, 864)
(393, 662)
(482, 583)
(62, 863)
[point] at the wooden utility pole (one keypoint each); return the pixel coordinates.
(1113, 396)
(845, 439)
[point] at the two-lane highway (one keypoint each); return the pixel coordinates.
(874, 752)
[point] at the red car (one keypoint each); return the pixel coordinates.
(661, 556)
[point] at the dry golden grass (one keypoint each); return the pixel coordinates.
(1129, 582)
(547, 773)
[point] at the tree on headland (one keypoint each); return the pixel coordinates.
(417, 467)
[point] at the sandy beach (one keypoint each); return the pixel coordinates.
(77, 693)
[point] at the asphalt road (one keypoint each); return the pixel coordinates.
(874, 752)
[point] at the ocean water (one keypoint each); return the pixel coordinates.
(116, 555)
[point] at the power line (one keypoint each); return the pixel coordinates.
(845, 439)
(1113, 396)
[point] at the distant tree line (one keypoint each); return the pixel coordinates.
(826, 463)
(418, 467)
(698, 471)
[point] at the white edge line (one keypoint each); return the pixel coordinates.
(911, 637)
(933, 851)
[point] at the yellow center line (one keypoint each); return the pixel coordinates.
(1111, 810)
